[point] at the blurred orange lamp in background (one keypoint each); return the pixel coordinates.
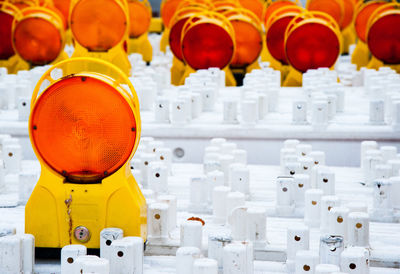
(275, 36)
(39, 37)
(361, 54)
(84, 128)
(8, 58)
(269, 8)
(100, 29)
(208, 40)
(312, 40)
(383, 37)
(139, 24)
(248, 41)
(167, 10)
(255, 6)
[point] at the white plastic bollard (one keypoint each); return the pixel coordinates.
(214, 179)
(11, 254)
(285, 196)
(161, 110)
(69, 254)
(302, 183)
(24, 107)
(230, 111)
(306, 164)
(365, 146)
(157, 177)
(303, 150)
(240, 178)
(338, 222)
(233, 200)
(236, 222)
(388, 153)
(219, 201)
(358, 229)
(196, 105)
(178, 112)
(377, 112)
(205, 266)
(382, 199)
(306, 261)
(330, 248)
(185, 257)
(146, 158)
(157, 221)
(164, 155)
(291, 168)
(312, 209)
(299, 112)
(92, 264)
(216, 243)
(238, 258)
(319, 113)
(286, 152)
(127, 256)
(249, 112)
(326, 269)
(26, 184)
(318, 157)
(191, 233)
(28, 253)
(354, 260)
(256, 221)
(12, 157)
(291, 143)
(171, 201)
(240, 156)
(327, 203)
(6, 230)
(199, 193)
(107, 236)
(225, 161)
(298, 238)
(326, 181)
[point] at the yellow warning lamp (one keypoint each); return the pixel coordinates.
(334, 8)
(275, 36)
(100, 29)
(140, 20)
(175, 38)
(361, 55)
(269, 8)
(255, 6)
(312, 40)
(84, 128)
(248, 40)
(8, 57)
(383, 37)
(39, 37)
(208, 40)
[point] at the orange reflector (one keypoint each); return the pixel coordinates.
(207, 45)
(255, 6)
(63, 6)
(348, 6)
(332, 7)
(6, 48)
(384, 37)
(275, 6)
(83, 128)
(362, 18)
(168, 8)
(312, 45)
(37, 40)
(98, 25)
(139, 18)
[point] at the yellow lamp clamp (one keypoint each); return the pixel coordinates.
(109, 44)
(68, 207)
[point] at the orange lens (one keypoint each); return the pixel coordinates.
(273, 7)
(63, 7)
(6, 48)
(362, 18)
(168, 9)
(311, 46)
(255, 6)
(37, 41)
(331, 7)
(384, 39)
(207, 45)
(175, 36)
(348, 13)
(276, 38)
(83, 128)
(98, 25)
(139, 19)
(248, 43)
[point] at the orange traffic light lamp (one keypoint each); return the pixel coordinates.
(312, 40)
(139, 24)
(84, 127)
(100, 29)
(39, 37)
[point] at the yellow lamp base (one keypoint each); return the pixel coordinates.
(141, 45)
(156, 25)
(361, 55)
(348, 38)
(164, 42)
(294, 78)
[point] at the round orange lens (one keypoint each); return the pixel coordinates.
(139, 18)
(331, 7)
(348, 13)
(273, 7)
(168, 9)
(362, 18)
(248, 43)
(384, 38)
(255, 6)
(207, 45)
(37, 41)
(98, 25)
(6, 48)
(83, 128)
(63, 7)
(311, 46)
(276, 38)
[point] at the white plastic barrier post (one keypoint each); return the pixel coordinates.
(298, 238)
(256, 226)
(191, 234)
(318, 157)
(238, 258)
(12, 157)
(205, 266)
(302, 183)
(240, 156)
(327, 203)
(358, 229)
(230, 111)
(107, 236)
(219, 201)
(199, 193)
(178, 112)
(326, 269)
(157, 177)
(171, 201)
(28, 253)
(312, 208)
(214, 179)
(11, 254)
(249, 112)
(306, 164)
(326, 181)
(92, 264)
(299, 112)
(365, 146)
(161, 110)
(285, 196)
(69, 254)
(338, 222)
(330, 248)
(157, 221)
(216, 243)
(237, 225)
(24, 107)
(306, 261)
(354, 260)
(240, 178)
(233, 200)
(127, 256)
(185, 257)
(377, 112)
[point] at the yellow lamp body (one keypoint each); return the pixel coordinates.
(56, 208)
